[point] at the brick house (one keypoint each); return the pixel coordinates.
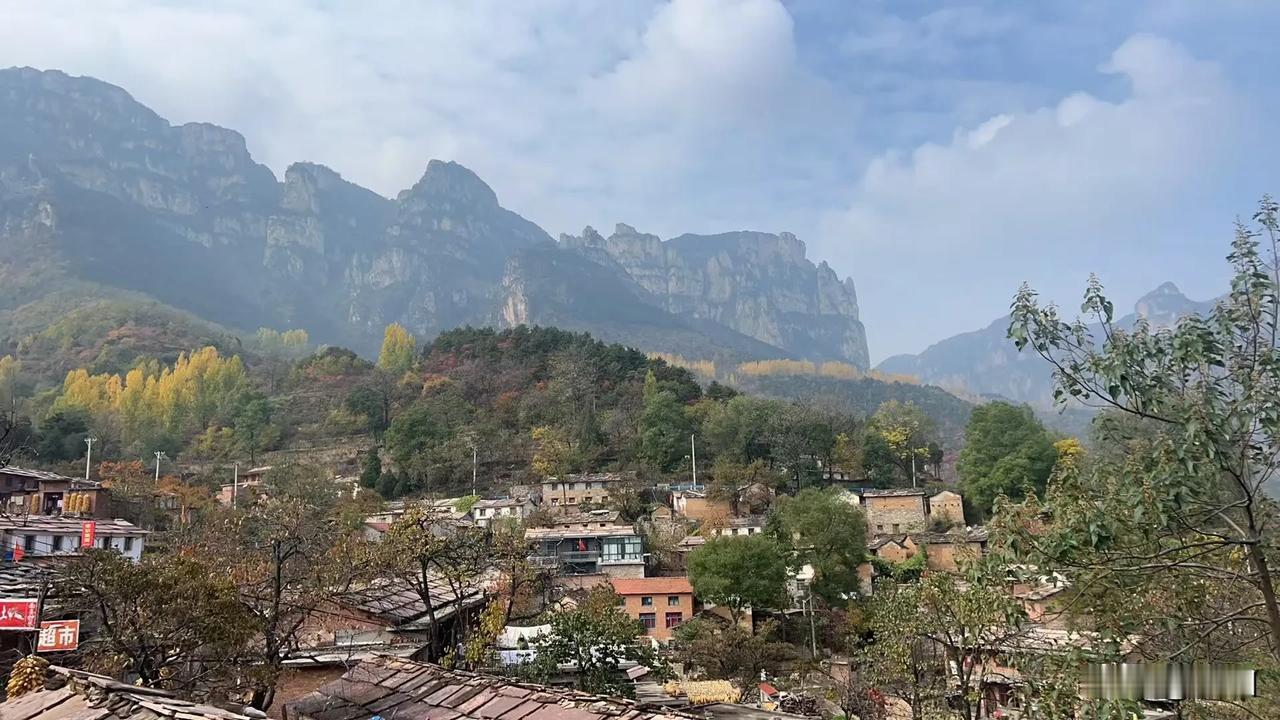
(661, 604)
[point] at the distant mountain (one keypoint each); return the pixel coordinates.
(986, 363)
(101, 198)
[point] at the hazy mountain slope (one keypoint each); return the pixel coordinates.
(99, 195)
(985, 362)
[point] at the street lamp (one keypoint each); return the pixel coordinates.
(159, 455)
(88, 456)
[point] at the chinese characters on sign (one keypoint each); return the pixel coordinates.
(88, 531)
(59, 635)
(18, 614)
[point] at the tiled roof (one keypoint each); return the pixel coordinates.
(570, 517)
(407, 690)
(882, 540)
(579, 532)
(652, 586)
(24, 579)
(501, 502)
(890, 492)
(77, 695)
(976, 534)
(396, 603)
(65, 525)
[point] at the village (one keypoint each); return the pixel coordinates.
(392, 643)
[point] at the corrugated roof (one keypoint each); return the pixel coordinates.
(652, 586)
(890, 492)
(407, 690)
(34, 474)
(78, 695)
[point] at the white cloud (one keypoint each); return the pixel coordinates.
(575, 111)
(1027, 195)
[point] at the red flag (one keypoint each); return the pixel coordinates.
(18, 552)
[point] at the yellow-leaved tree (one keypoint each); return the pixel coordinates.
(398, 349)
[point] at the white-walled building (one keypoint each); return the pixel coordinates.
(485, 512)
(45, 535)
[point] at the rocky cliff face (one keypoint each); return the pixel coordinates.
(758, 284)
(985, 362)
(99, 193)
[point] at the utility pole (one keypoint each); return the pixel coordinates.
(159, 454)
(913, 470)
(235, 484)
(473, 469)
(693, 453)
(88, 456)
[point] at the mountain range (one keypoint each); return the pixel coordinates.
(986, 363)
(100, 197)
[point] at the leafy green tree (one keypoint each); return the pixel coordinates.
(799, 437)
(903, 660)
(826, 533)
(664, 428)
(596, 637)
(373, 399)
(1185, 509)
(253, 424)
(62, 435)
(1006, 450)
(736, 430)
(370, 469)
(398, 350)
(739, 572)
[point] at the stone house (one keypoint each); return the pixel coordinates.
(572, 491)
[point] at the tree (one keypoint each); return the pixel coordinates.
(553, 455)
(425, 551)
(373, 400)
(1006, 450)
(857, 698)
(596, 637)
(370, 469)
(62, 435)
(169, 620)
(909, 433)
(739, 571)
(252, 423)
(398, 350)
(282, 554)
(731, 652)
(664, 428)
(826, 533)
(903, 660)
(1188, 508)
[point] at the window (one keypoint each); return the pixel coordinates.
(674, 619)
(57, 542)
(555, 486)
(128, 544)
(573, 486)
(104, 542)
(555, 501)
(573, 501)
(29, 542)
(896, 528)
(586, 499)
(673, 601)
(649, 620)
(647, 601)
(879, 528)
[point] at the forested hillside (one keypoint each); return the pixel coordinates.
(518, 403)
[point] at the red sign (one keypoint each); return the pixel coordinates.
(59, 636)
(88, 532)
(18, 614)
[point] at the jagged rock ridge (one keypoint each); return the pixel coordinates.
(99, 194)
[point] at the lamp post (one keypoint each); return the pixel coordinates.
(159, 454)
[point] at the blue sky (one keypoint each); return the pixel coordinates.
(940, 153)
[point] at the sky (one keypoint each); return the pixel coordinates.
(939, 153)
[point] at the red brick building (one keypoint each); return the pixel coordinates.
(660, 603)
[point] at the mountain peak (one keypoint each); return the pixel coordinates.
(1165, 289)
(448, 179)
